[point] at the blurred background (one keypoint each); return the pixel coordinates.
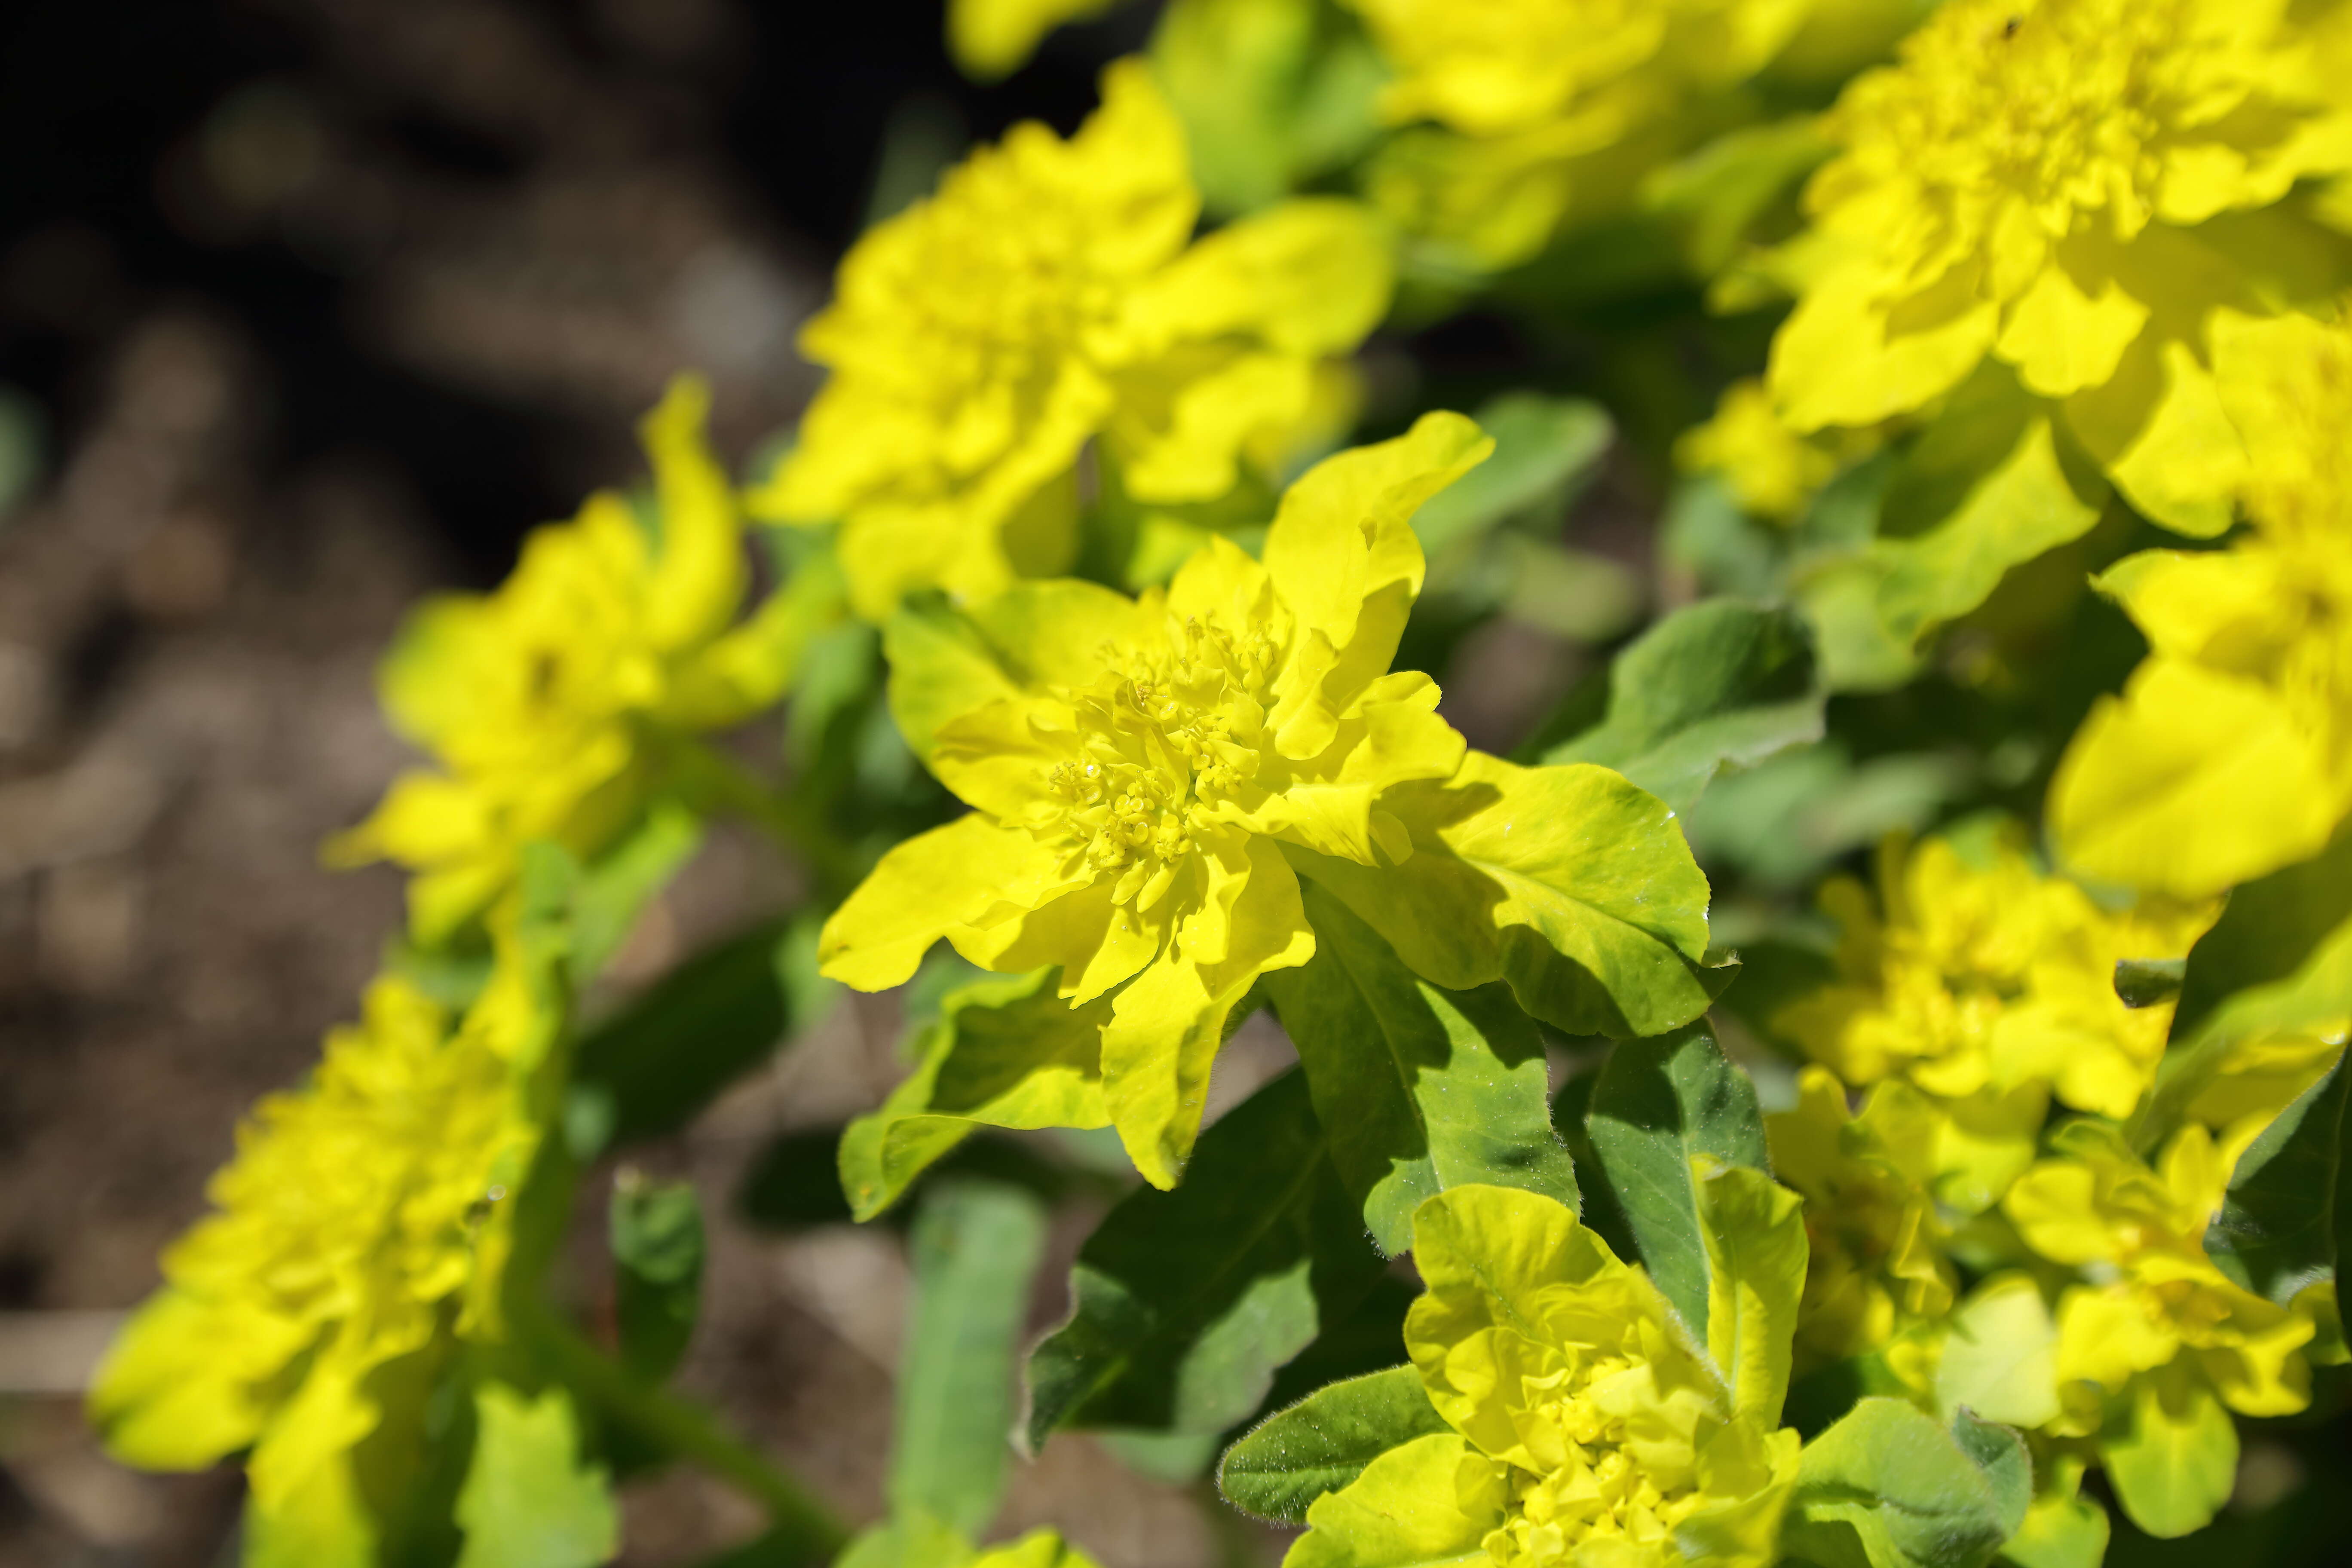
(307, 307)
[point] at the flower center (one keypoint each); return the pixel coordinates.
(1601, 1492)
(2066, 105)
(1167, 733)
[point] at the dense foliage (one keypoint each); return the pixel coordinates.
(1858, 1082)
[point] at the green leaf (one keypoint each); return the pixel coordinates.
(2000, 1357)
(619, 883)
(2148, 981)
(1756, 1253)
(910, 1541)
(2006, 1463)
(1567, 882)
(1185, 1302)
(1001, 1053)
(976, 1247)
(651, 1066)
(1716, 685)
(1546, 449)
(1783, 821)
(2277, 1232)
(2270, 929)
(1659, 1105)
(1404, 1511)
(2230, 1037)
(795, 1181)
(1322, 1443)
(656, 1229)
(1419, 1089)
(2172, 1458)
(1889, 1487)
(528, 1500)
(1363, 1340)
(1272, 94)
(1991, 484)
(940, 665)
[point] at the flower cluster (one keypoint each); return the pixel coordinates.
(1586, 1427)
(1989, 987)
(560, 706)
(2085, 191)
(1152, 777)
(360, 1234)
(1050, 297)
(2153, 1301)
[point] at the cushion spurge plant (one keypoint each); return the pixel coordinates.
(1764, 1205)
(1152, 777)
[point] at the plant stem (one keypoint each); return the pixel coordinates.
(693, 1433)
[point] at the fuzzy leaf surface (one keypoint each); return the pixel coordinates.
(1323, 1443)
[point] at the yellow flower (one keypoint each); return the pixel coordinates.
(1769, 469)
(2229, 754)
(992, 39)
(1048, 297)
(1989, 987)
(2142, 1232)
(1545, 110)
(2082, 189)
(551, 706)
(1151, 775)
(365, 1217)
(1870, 1222)
(1587, 1428)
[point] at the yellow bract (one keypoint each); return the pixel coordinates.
(2229, 754)
(1134, 793)
(547, 705)
(2084, 189)
(1049, 296)
(1548, 108)
(1989, 987)
(1872, 1226)
(365, 1218)
(2100, 1209)
(991, 39)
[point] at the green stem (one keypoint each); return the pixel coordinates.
(789, 818)
(692, 1433)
